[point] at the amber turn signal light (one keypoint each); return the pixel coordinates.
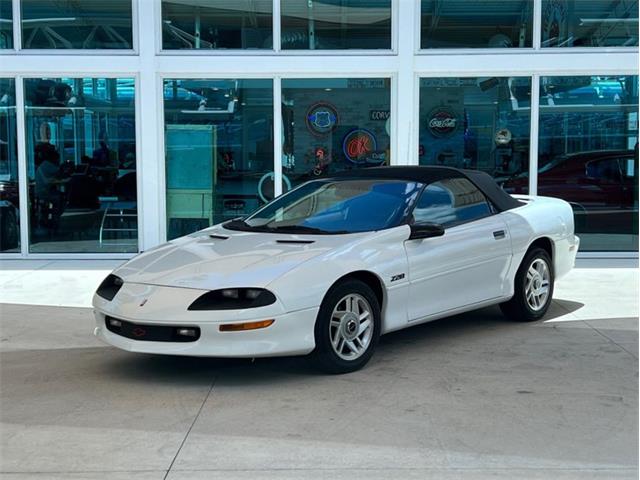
(241, 327)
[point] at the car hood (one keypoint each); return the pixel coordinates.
(219, 258)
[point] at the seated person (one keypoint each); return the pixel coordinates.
(47, 174)
(103, 156)
(44, 149)
(48, 199)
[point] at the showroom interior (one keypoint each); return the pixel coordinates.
(127, 123)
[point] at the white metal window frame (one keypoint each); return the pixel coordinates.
(19, 50)
(277, 119)
(417, 28)
(533, 156)
(536, 40)
(607, 65)
(277, 38)
(24, 220)
(404, 68)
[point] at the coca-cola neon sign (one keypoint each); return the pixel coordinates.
(442, 122)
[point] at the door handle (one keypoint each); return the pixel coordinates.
(499, 234)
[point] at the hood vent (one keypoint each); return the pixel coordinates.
(218, 237)
(296, 242)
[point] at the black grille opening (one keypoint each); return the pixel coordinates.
(152, 333)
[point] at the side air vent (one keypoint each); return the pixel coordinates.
(294, 242)
(218, 237)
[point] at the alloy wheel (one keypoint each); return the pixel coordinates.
(351, 327)
(537, 284)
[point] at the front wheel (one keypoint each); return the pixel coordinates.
(533, 288)
(347, 328)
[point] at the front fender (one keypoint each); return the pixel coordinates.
(382, 253)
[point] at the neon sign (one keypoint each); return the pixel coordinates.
(442, 122)
(321, 119)
(360, 146)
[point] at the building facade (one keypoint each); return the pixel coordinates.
(127, 123)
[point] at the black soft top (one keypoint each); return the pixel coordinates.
(428, 174)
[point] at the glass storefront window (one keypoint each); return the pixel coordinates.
(588, 155)
(9, 199)
(81, 162)
(479, 123)
(70, 24)
(197, 24)
(218, 149)
(333, 124)
(336, 24)
(467, 24)
(6, 24)
(589, 23)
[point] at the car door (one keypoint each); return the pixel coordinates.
(469, 263)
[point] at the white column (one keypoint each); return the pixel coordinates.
(23, 183)
(151, 194)
(533, 134)
(535, 103)
(277, 136)
(537, 24)
(276, 25)
(17, 25)
(404, 92)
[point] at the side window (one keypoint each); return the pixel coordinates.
(606, 169)
(451, 202)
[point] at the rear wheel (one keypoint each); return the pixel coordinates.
(533, 288)
(347, 328)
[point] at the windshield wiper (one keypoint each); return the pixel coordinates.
(239, 224)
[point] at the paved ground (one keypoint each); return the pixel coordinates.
(474, 396)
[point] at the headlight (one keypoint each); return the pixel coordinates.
(109, 287)
(233, 299)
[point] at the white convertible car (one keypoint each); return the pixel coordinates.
(333, 264)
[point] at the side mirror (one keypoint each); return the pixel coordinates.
(425, 230)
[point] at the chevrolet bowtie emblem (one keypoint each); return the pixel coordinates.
(139, 332)
(142, 303)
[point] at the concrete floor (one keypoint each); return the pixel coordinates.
(473, 396)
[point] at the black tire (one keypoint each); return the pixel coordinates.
(324, 356)
(518, 308)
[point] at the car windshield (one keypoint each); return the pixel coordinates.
(335, 207)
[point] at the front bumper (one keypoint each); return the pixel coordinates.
(290, 334)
